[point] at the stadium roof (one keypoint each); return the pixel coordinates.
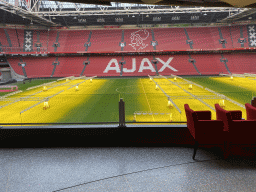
(88, 12)
(205, 3)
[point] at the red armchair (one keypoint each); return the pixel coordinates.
(238, 131)
(250, 112)
(226, 116)
(204, 130)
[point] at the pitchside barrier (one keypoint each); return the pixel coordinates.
(251, 76)
(65, 78)
(234, 75)
(8, 88)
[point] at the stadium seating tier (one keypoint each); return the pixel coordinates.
(133, 40)
(35, 67)
(171, 38)
(43, 39)
(105, 40)
(204, 38)
(208, 64)
(3, 39)
(226, 35)
(241, 62)
(106, 66)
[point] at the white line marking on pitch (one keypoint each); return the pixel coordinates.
(147, 100)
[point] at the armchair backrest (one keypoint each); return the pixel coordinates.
(224, 116)
(250, 112)
(191, 118)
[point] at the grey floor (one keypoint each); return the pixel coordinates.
(123, 169)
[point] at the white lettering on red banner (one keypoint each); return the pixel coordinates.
(166, 64)
(144, 65)
(115, 68)
(133, 67)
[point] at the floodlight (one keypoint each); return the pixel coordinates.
(170, 105)
(77, 88)
(221, 103)
(44, 88)
(150, 79)
(91, 80)
(231, 78)
(190, 86)
(46, 105)
(175, 78)
(157, 87)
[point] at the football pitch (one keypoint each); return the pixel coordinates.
(147, 99)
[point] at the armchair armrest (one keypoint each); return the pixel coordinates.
(203, 115)
(236, 115)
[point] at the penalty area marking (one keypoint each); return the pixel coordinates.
(147, 100)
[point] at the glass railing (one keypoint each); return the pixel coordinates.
(91, 100)
(62, 102)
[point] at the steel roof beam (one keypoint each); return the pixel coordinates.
(25, 14)
(243, 13)
(132, 11)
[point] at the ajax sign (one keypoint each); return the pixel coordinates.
(144, 65)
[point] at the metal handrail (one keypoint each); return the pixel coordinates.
(96, 123)
(20, 49)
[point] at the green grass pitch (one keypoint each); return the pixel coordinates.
(97, 101)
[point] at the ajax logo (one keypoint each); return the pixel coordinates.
(137, 39)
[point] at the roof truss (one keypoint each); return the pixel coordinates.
(25, 13)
